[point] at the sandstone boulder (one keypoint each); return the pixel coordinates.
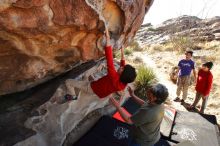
(41, 39)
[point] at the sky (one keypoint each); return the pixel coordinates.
(162, 10)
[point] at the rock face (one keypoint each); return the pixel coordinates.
(190, 26)
(16, 108)
(41, 39)
(34, 122)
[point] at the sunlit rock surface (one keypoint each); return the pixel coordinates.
(41, 39)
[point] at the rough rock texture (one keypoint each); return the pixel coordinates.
(54, 124)
(43, 38)
(190, 26)
(16, 108)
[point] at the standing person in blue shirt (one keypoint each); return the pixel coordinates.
(185, 67)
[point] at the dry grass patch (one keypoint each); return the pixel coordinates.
(155, 48)
(182, 43)
(213, 45)
(134, 45)
(211, 58)
(138, 60)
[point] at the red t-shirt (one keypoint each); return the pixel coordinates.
(204, 82)
(111, 82)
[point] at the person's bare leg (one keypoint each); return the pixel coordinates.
(204, 104)
(197, 98)
(179, 89)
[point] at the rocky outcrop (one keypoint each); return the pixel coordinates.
(16, 108)
(41, 39)
(40, 119)
(189, 26)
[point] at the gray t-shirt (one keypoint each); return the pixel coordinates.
(147, 120)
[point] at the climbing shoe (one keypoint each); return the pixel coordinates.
(69, 97)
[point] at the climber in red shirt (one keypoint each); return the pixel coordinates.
(203, 85)
(112, 82)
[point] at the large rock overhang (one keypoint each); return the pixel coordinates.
(41, 39)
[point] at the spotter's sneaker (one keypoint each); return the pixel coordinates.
(177, 99)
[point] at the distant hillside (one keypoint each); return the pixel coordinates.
(188, 26)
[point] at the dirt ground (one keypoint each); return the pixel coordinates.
(163, 61)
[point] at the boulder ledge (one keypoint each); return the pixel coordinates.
(41, 39)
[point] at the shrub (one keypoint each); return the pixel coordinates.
(211, 58)
(117, 54)
(168, 46)
(134, 45)
(151, 29)
(138, 60)
(128, 51)
(157, 47)
(182, 43)
(213, 45)
(145, 77)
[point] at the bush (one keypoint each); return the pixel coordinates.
(156, 47)
(168, 46)
(145, 78)
(128, 51)
(138, 60)
(134, 45)
(151, 29)
(182, 43)
(211, 58)
(117, 54)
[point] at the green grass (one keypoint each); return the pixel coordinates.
(145, 78)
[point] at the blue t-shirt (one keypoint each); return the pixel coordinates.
(186, 67)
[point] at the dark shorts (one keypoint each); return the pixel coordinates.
(133, 143)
